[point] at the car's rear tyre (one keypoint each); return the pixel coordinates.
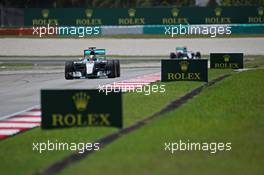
(69, 70)
(111, 67)
(117, 64)
(198, 55)
(179, 55)
(193, 56)
(172, 55)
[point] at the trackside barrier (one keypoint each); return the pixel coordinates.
(119, 30)
(146, 29)
(16, 31)
(235, 28)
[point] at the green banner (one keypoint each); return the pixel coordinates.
(226, 60)
(235, 29)
(143, 16)
(80, 108)
(184, 70)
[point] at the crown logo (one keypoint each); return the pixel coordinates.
(81, 100)
(175, 12)
(45, 13)
(260, 11)
(226, 58)
(218, 11)
(132, 12)
(184, 65)
(88, 13)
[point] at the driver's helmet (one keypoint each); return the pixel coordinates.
(92, 56)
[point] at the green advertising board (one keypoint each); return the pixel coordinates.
(143, 16)
(226, 60)
(184, 70)
(80, 108)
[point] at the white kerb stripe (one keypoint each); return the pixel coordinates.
(128, 83)
(8, 131)
(35, 113)
(25, 119)
(18, 125)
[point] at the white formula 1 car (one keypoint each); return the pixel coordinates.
(93, 65)
(183, 53)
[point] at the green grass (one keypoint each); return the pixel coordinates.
(138, 106)
(254, 61)
(15, 66)
(230, 111)
(16, 152)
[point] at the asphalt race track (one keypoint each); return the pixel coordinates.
(152, 47)
(19, 91)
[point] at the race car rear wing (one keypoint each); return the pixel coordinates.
(179, 49)
(96, 52)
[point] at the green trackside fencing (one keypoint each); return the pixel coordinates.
(247, 28)
(149, 21)
(234, 28)
(144, 16)
(86, 31)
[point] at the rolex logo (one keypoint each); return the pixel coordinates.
(226, 58)
(45, 13)
(88, 13)
(175, 12)
(132, 12)
(81, 100)
(218, 11)
(260, 11)
(184, 65)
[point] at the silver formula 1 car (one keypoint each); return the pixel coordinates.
(183, 53)
(93, 65)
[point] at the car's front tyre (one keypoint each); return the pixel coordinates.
(172, 55)
(198, 55)
(117, 64)
(111, 67)
(69, 70)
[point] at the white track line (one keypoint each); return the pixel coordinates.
(134, 83)
(20, 112)
(34, 113)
